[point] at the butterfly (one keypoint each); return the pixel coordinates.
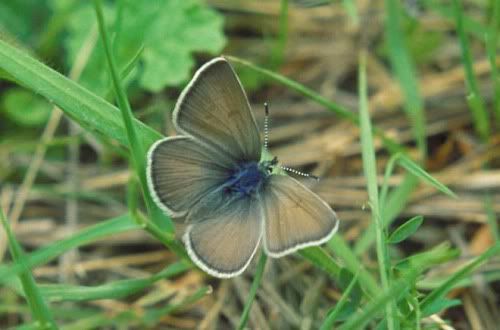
(215, 174)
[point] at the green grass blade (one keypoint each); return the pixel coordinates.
(253, 290)
(440, 291)
(420, 173)
(405, 72)
(371, 310)
(396, 202)
(478, 110)
(127, 69)
(444, 9)
(352, 11)
(391, 145)
(340, 248)
(370, 171)
(337, 109)
(113, 290)
(134, 142)
(334, 312)
(492, 218)
(491, 48)
(152, 316)
(100, 231)
(318, 257)
(38, 307)
(91, 112)
(278, 50)
(389, 168)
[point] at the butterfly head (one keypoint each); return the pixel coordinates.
(268, 166)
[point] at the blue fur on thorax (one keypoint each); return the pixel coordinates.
(245, 180)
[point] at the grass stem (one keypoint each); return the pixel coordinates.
(370, 170)
(476, 105)
(135, 144)
(253, 290)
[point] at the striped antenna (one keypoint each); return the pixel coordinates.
(294, 171)
(266, 126)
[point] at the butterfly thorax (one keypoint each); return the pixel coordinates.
(246, 179)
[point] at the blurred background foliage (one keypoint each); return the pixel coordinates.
(433, 93)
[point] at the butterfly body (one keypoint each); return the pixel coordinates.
(245, 181)
(212, 175)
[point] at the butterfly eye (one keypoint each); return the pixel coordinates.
(270, 169)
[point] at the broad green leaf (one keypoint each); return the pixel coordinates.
(405, 230)
(90, 111)
(171, 31)
(25, 108)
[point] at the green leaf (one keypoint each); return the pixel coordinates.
(440, 305)
(405, 230)
(171, 31)
(25, 108)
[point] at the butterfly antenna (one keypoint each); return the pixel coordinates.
(294, 171)
(266, 125)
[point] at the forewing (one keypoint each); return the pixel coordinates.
(224, 243)
(294, 217)
(181, 171)
(214, 109)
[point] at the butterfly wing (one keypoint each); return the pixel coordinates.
(181, 171)
(214, 109)
(224, 243)
(295, 217)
